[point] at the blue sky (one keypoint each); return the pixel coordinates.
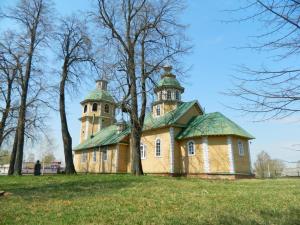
(213, 61)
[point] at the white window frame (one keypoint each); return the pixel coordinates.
(158, 111)
(104, 153)
(95, 156)
(241, 148)
(83, 157)
(158, 141)
(169, 97)
(143, 151)
(188, 148)
(177, 95)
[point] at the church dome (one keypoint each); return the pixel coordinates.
(99, 94)
(168, 80)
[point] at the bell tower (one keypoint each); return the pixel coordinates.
(168, 93)
(98, 111)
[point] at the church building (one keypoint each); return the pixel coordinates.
(178, 139)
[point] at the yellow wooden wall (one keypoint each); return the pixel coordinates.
(241, 163)
(100, 166)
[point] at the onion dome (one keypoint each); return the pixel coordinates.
(99, 94)
(168, 80)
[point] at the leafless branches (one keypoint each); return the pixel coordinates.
(273, 93)
(140, 35)
(75, 53)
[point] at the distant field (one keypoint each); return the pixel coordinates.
(124, 199)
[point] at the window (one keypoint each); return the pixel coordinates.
(157, 148)
(177, 95)
(191, 148)
(168, 95)
(241, 148)
(159, 95)
(85, 109)
(104, 154)
(95, 107)
(106, 108)
(83, 157)
(95, 156)
(143, 151)
(158, 110)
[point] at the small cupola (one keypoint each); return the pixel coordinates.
(101, 85)
(168, 88)
(168, 92)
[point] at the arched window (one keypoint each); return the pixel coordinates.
(191, 148)
(157, 148)
(106, 108)
(104, 153)
(241, 148)
(158, 110)
(169, 96)
(95, 107)
(159, 96)
(84, 157)
(85, 109)
(143, 151)
(95, 155)
(177, 95)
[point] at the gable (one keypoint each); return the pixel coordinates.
(174, 117)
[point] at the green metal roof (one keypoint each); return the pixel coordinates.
(169, 118)
(98, 95)
(107, 136)
(169, 81)
(213, 124)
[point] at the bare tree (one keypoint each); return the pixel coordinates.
(32, 18)
(272, 93)
(262, 165)
(75, 53)
(9, 63)
(141, 36)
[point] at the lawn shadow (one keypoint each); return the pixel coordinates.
(71, 187)
(288, 217)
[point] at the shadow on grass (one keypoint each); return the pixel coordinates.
(69, 187)
(288, 217)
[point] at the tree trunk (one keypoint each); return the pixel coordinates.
(136, 129)
(22, 112)
(67, 139)
(20, 135)
(13, 156)
(137, 168)
(6, 111)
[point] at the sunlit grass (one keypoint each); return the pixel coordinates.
(124, 199)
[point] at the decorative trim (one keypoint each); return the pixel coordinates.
(250, 161)
(86, 130)
(171, 149)
(117, 159)
(230, 155)
(80, 136)
(205, 154)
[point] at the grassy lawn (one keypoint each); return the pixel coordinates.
(124, 199)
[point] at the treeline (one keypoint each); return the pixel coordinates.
(266, 167)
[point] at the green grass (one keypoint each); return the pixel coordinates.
(124, 199)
